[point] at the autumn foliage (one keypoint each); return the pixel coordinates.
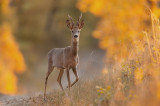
(128, 30)
(121, 23)
(11, 59)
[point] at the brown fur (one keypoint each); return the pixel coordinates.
(66, 58)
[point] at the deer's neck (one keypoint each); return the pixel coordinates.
(74, 47)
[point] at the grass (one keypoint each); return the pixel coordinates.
(83, 93)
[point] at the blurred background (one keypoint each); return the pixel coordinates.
(30, 28)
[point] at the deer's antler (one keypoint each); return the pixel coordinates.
(70, 22)
(79, 19)
(79, 22)
(71, 19)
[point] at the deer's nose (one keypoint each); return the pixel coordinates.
(75, 36)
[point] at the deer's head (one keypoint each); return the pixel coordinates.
(75, 28)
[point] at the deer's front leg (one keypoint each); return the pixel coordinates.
(68, 78)
(76, 75)
(60, 77)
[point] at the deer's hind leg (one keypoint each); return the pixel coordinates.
(50, 69)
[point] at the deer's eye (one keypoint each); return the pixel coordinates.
(72, 31)
(78, 31)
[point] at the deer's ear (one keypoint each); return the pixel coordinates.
(81, 24)
(69, 24)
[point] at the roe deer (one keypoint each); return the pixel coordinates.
(66, 58)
